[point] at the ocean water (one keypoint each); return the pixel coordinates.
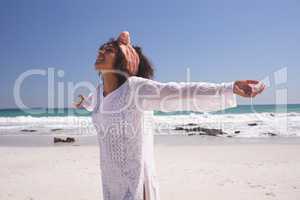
(242, 121)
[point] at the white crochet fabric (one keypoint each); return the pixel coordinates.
(123, 120)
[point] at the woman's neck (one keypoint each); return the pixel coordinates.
(110, 83)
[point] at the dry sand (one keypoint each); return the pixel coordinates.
(191, 168)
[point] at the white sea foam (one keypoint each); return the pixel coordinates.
(237, 125)
(69, 125)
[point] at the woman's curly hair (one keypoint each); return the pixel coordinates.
(145, 70)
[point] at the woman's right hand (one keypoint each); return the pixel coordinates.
(78, 104)
(248, 88)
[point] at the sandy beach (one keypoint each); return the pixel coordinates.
(188, 167)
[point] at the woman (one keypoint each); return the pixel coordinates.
(127, 97)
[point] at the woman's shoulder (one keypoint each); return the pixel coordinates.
(137, 80)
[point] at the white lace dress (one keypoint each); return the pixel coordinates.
(123, 121)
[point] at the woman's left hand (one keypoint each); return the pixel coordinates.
(78, 104)
(248, 88)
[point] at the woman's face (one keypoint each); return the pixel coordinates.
(106, 57)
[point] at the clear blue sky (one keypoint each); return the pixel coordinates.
(218, 40)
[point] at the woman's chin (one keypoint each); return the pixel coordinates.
(99, 67)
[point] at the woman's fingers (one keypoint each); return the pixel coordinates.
(253, 94)
(78, 104)
(258, 88)
(263, 88)
(238, 90)
(248, 90)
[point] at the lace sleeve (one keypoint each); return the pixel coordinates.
(184, 96)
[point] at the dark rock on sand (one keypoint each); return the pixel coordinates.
(270, 134)
(179, 129)
(67, 140)
(252, 124)
(28, 130)
(56, 129)
(192, 124)
(202, 131)
(236, 132)
(188, 124)
(211, 132)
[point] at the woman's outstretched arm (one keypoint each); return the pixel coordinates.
(193, 96)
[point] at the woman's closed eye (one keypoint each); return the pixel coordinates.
(106, 49)
(109, 50)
